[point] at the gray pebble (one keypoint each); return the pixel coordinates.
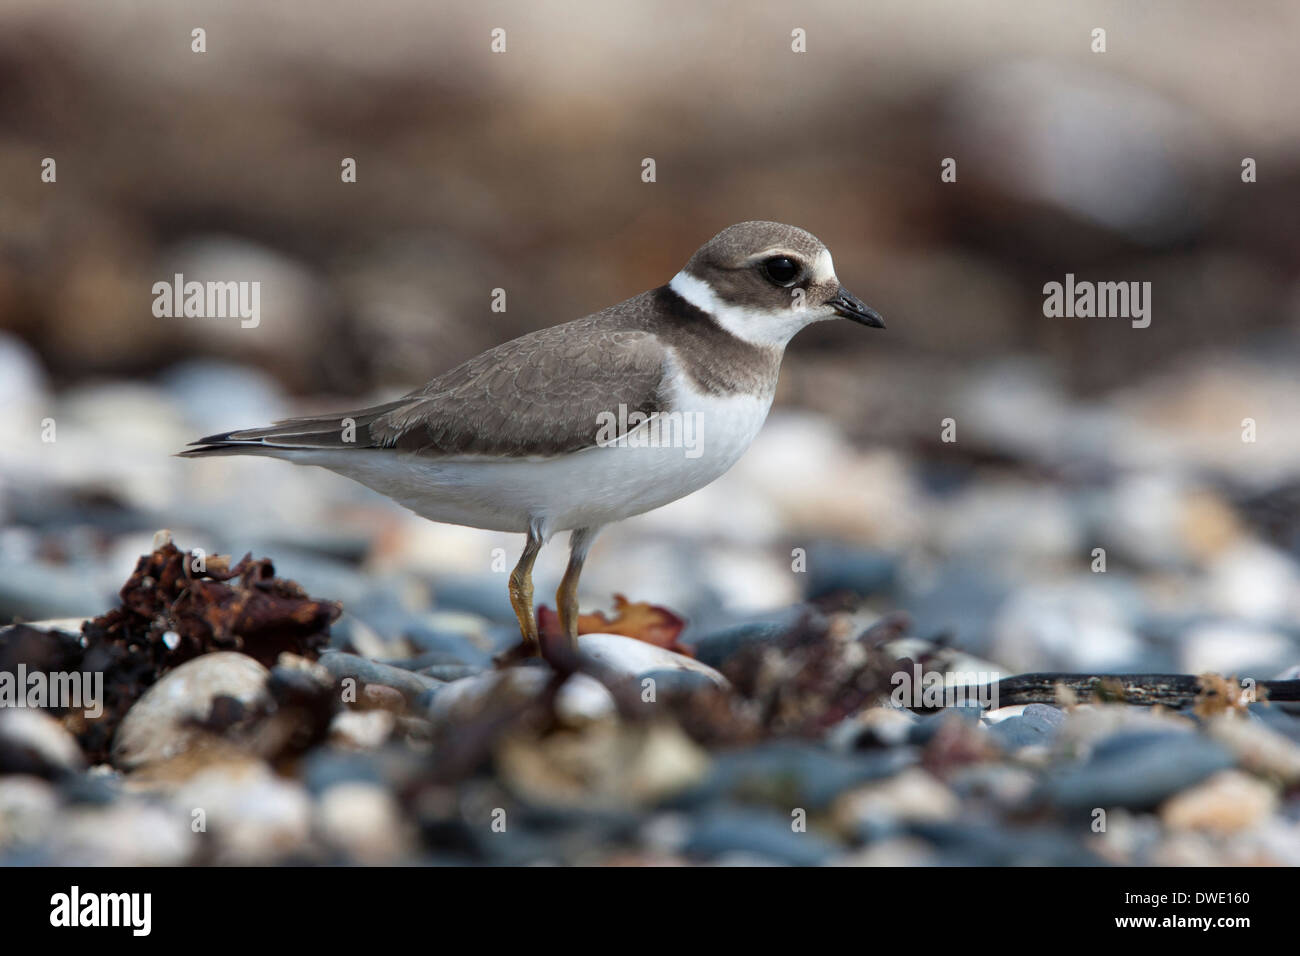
(342, 665)
(1137, 770)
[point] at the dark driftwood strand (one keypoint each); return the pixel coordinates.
(1172, 690)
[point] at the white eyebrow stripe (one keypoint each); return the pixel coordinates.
(824, 266)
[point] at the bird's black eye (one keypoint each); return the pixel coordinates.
(781, 269)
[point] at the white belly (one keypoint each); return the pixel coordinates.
(588, 488)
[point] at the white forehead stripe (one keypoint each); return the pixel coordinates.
(756, 326)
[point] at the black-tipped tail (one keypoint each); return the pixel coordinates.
(211, 447)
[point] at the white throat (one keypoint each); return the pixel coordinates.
(767, 327)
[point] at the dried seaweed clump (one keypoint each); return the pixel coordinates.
(175, 608)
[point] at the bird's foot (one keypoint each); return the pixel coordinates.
(523, 651)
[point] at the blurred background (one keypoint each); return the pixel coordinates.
(522, 170)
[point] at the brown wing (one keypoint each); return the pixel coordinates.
(538, 395)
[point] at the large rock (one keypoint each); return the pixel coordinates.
(582, 698)
(632, 658)
(33, 742)
(159, 725)
(367, 672)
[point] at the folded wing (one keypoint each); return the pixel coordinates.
(540, 395)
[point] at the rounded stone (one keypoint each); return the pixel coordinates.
(157, 726)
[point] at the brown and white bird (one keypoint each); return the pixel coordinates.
(575, 426)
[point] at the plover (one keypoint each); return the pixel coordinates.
(572, 427)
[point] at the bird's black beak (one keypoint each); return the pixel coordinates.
(850, 306)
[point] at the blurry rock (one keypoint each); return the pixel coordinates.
(1129, 837)
(1190, 415)
(961, 597)
(789, 774)
(834, 568)
(160, 724)
(605, 766)
(1210, 526)
(455, 638)
(1016, 525)
(962, 843)
(581, 698)
(715, 647)
(364, 822)
(672, 568)
(895, 852)
(128, 833)
(751, 836)
(216, 396)
(747, 580)
(251, 815)
(993, 401)
(1280, 718)
(22, 380)
(665, 832)
(1137, 770)
(479, 596)
(33, 742)
(363, 672)
(28, 811)
(1280, 837)
(35, 590)
(303, 672)
(1258, 747)
(1036, 725)
(873, 727)
(878, 807)
(417, 295)
(632, 658)
(1086, 727)
(450, 672)
(1044, 115)
(379, 697)
(1004, 786)
(1256, 583)
(98, 786)
(355, 636)
(293, 306)
(1141, 518)
(674, 684)
(328, 766)
(361, 729)
(129, 430)
(817, 484)
(1225, 803)
(1084, 624)
(1233, 648)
